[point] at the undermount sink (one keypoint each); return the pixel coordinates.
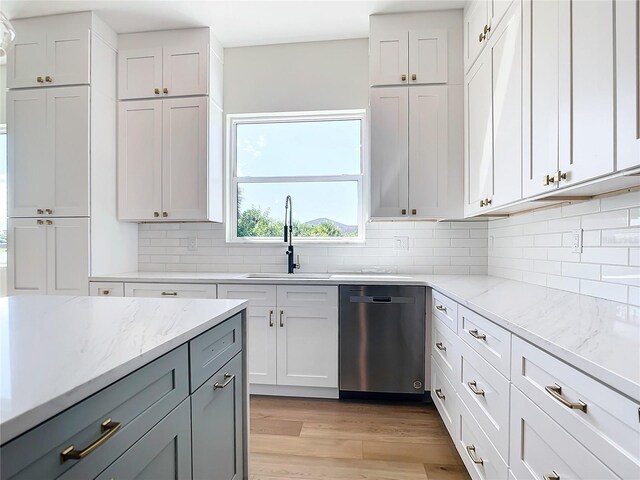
(291, 276)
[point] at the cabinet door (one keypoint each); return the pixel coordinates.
(67, 256)
(497, 10)
(389, 151)
(184, 70)
(68, 150)
(541, 22)
(139, 73)
(591, 91)
(506, 69)
(428, 56)
(184, 159)
(476, 18)
(428, 151)
(628, 84)
(216, 423)
(26, 58)
(139, 160)
(30, 188)
(308, 347)
(106, 289)
(479, 135)
(68, 55)
(27, 262)
(162, 453)
(169, 290)
(389, 57)
(261, 344)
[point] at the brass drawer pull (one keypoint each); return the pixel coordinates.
(481, 37)
(165, 90)
(48, 78)
(551, 476)
(108, 429)
(48, 211)
(414, 77)
(439, 394)
(169, 294)
(404, 77)
(271, 318)
(156, 91)
(474, 388)
(104, 291)
(442, 308)
(480, 336)
(404, 211)
(49, 222)
(40, 79)
(440, 346)
(281, 319)
(165, 214)
(471, 450)
(228, 379)
(156, 214)
(40, 222)
(40, 211)
(556, 392)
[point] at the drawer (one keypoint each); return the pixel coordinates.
(106, 289)
(491, 341)
(258, 295)
(486, 394)
(478, 454)
(445, 349)
(137, 403)
(215, 347)
(169, 290)
(540, 448)
(445, 309)
(163, 453)
(307, 296)
(608, 426)
(445, 399)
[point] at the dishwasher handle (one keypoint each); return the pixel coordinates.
(381, 299)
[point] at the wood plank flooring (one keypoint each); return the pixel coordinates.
(312, 439)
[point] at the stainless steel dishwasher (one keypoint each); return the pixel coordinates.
(382, 339)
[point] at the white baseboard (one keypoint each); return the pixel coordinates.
(289, 391)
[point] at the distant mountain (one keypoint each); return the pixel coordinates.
(344, 229)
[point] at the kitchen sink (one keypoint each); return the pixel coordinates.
(291, 276)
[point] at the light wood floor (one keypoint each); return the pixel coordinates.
(313, 439)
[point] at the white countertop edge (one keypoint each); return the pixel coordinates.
(20, 424)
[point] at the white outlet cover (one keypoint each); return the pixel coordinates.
(401, 243)
(576, 240)
(192, 244)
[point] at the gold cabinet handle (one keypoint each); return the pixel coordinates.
(48, 78)
(471, 451)
(474, 388)
(39, 211)
(482, 37)
(487, 201)
(440, 346)
(414, 212)
(480, 336)
(40, 79)
(49, 222)
(442, 308)
(487, 29)
(165, 214)
(228, 378)
(414, 77)
(439, 394)
(165, 90)
(551, 476)
(281, 319)
(104, 291)
(404, 211)
(556, 392)
(48, 211)
(40, 222)
(404, 77)
(156, 91)
(560, 176)
(169, 294)
(156, 214)
(108, 429)
(271, 318)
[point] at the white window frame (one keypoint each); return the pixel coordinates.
(233, 120)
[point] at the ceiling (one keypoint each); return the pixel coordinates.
(236, 22)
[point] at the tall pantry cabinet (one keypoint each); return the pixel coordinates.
(61, 127)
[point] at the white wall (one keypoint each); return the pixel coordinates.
(3, 94)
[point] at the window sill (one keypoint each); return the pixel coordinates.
(296, 242)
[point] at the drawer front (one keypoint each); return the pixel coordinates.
(445, 309)
(472, 444)
(258, 295)
(137, 402)
(307, 296)
(169, 290)
(164, 453)
(106, 289)
(486, 394)
(608, 426)
(540, 448)
(211, 350)
(491, 341)
(445, 349)
(445, 399)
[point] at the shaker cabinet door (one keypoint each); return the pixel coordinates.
(261, 344)
(428, 56)
(26, 58)
(389, 57)
(184, 70)
(140, 73)
(67, 256)
(475, 23)
(27, 262)
(68, 56)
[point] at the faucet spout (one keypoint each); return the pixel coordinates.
(288, 234)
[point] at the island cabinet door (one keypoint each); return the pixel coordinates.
(216, 423)
(163, 453)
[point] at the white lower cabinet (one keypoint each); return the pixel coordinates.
(169, 290)
(106, 289)
(445, 399)
(292, 333)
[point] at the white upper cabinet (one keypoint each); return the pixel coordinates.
(48, 152)
(168, 64)
(50, 51)
(481, 19)
(403, 53)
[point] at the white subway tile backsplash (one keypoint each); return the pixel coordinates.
(612, 219)
(602, 255)
(627, 237)
(624, 275)
(617, 293)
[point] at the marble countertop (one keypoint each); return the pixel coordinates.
(56, 351)
(599, 337)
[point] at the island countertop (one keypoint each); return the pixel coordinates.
(56, 350)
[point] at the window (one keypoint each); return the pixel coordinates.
(317, 158)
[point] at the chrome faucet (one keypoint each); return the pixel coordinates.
(288, 235)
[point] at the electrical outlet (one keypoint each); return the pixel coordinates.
(576, 240)
(192, 244)
(401, 243)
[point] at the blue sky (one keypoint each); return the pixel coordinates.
(303, 148)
